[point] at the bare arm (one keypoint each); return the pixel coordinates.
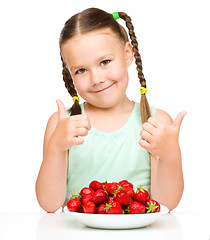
(61, 134)
(51, 181)
(167, 182)
(161, 134)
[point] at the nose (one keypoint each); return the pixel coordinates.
(96, 77)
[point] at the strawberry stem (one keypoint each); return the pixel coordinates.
(118, 189)
(151, 208)
(140, 188)
(108, 205)
(74, 195)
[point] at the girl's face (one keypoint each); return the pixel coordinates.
(98, 63)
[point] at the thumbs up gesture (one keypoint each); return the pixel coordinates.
(68, 129)
(160, 139)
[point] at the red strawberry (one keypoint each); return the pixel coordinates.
(136, 208)
(113, 208)
(130, 191)
(122, 197)
(86, 198)
(125, 183)
(74, 205)
(95, 185)
(89, 207)
(125, 207)
(152, 206)
(111, 187)
(104, 184)
(141, 195)
(101, 209)
(99, 197)
(86, 191)
(110, 199)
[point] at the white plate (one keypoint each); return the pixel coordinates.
(117, 221)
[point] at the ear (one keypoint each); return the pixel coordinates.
(128, 53)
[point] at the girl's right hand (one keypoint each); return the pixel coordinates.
(68, 129)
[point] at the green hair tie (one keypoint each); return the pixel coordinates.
(115, 15)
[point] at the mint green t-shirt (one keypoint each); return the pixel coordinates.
(113, 156)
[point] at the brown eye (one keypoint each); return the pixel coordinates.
(105, 62)
(80, 71)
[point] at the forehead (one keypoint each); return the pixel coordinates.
(90, 45)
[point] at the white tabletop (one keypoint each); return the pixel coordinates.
(54, 226)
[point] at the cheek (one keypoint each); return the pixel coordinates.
(80, 88)
(118, 74)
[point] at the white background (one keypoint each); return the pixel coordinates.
(174, 44)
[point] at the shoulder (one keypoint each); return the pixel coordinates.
(163, 117)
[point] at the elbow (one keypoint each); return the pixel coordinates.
(171, 206)
(174, 202)
(48, 204)
(49, 208)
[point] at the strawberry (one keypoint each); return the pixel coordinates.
(136, 208)
(111, 187)
(125, 183)
(125, 207)
(99, 197)
(86, 198)
(74, 205)
(104, 184)
(89, 207)
(141, 195)
(86, 191)
(113, 208)
(110, 199)
(130, 191)
(152, 206)
(122, 197)
(95, 185)
(101, 209)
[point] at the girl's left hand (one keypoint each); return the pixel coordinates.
(161, 140)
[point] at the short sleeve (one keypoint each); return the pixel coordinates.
(153, 110)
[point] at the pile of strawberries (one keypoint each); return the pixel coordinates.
(112, 198)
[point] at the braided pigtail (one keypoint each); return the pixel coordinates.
(144, 105)
(75, 109)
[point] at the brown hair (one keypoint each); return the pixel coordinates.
(93, 19)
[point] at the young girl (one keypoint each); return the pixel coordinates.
(108, 137)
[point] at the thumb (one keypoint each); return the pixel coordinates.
(178, 120)
(61, 109)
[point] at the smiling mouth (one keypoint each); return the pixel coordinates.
(104, 88)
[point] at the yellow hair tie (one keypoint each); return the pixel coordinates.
(143, 90)
(75, 98)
